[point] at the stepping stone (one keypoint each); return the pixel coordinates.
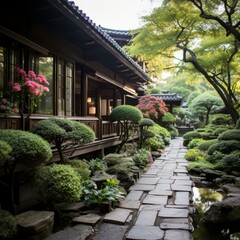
(183, 182)
(134, 195)
(145, 232)
(130, 204)
(177, 206)
(90, 219)
(173, 213)
(155, 199)
(35, 224)
(184, 188)
(74, 233)
(164, 180)
(106, 230)
(145, 207)
(146, 218)
(148, 180)
(185, 177)
(182, 226)
(182, 198)
(118, 215)
(163, 186)
(142, 187)
(177, 235)
(161, 192)
(180, 170)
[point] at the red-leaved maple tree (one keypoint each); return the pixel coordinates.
(152, 107)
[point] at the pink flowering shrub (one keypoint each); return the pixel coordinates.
(25, 92)
(152, 107)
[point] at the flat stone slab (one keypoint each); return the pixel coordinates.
(146, 218)
(146, 207)
(183, 182)
(181, 198)
(134, 195)
(165, 180)
(173, 213)
(175, 220)
(180, 170)
(130, 204)
(178, 187)
(90, 219)
(182, 226)
(155, 199)
(163, 186)
(71, 206)
(147, 180)
(110, 231)
(145, 232)
(118, 215)
(161, 192)
(78, 232)
(142, 187)
(183, 177)
(177, 235)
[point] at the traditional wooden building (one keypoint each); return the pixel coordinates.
(88, 71)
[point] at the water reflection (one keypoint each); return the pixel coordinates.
(202, 200)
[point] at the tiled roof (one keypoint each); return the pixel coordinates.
(124, 33)
(168, 97)
(98, 30)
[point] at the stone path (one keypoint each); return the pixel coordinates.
(157, 206)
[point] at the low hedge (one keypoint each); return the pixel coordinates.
(204, 146)
(225, 147)
(230, 135)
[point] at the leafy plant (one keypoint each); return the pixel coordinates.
(97, 164)
(81, 166)
(141, 158)
(225, 147)
(58, 183)
(5, 149)
(205, 145)
(8, 225)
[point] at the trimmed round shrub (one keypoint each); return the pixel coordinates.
(220, 130)
(8, 225)
(65, 129)
(168, 118)
(162, 132)
(231, 162)
(187, 137)
(147, 122)
(215, 158)
(81, 167)
(173, 131)
(230, 135)
(154, 144)
(194, 155)
(195, 142)
(204, 146)
(58, 183)
(225, 147)
(26, 146)
(126, 113)
(5, 149)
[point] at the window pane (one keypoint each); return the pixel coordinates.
(45, 105)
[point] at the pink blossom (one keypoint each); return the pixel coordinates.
(4, 100)
(3, 107)
(32, 74)
(16, 87)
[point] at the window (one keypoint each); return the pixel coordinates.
(45, 67)
(64, 88)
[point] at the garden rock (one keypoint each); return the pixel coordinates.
(35, 225)
(225, 212)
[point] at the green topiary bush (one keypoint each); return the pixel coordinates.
(194, 155)
(154, 144)
(26, 146)
(187, 137)
(81, 166)
(230, 135)
(5, 149)
(215, 158)
(147, 122)
(8, 225)
(194, 143)
(161, 133)
(219, 131)
(204, 146)
(58, 183)
(128, 117)
(237, 126)
(231, 162)
(225, 147)
(64, 133)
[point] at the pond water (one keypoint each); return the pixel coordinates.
(202, 200)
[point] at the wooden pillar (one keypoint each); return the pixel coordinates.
(84, 93)
(115, 91)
